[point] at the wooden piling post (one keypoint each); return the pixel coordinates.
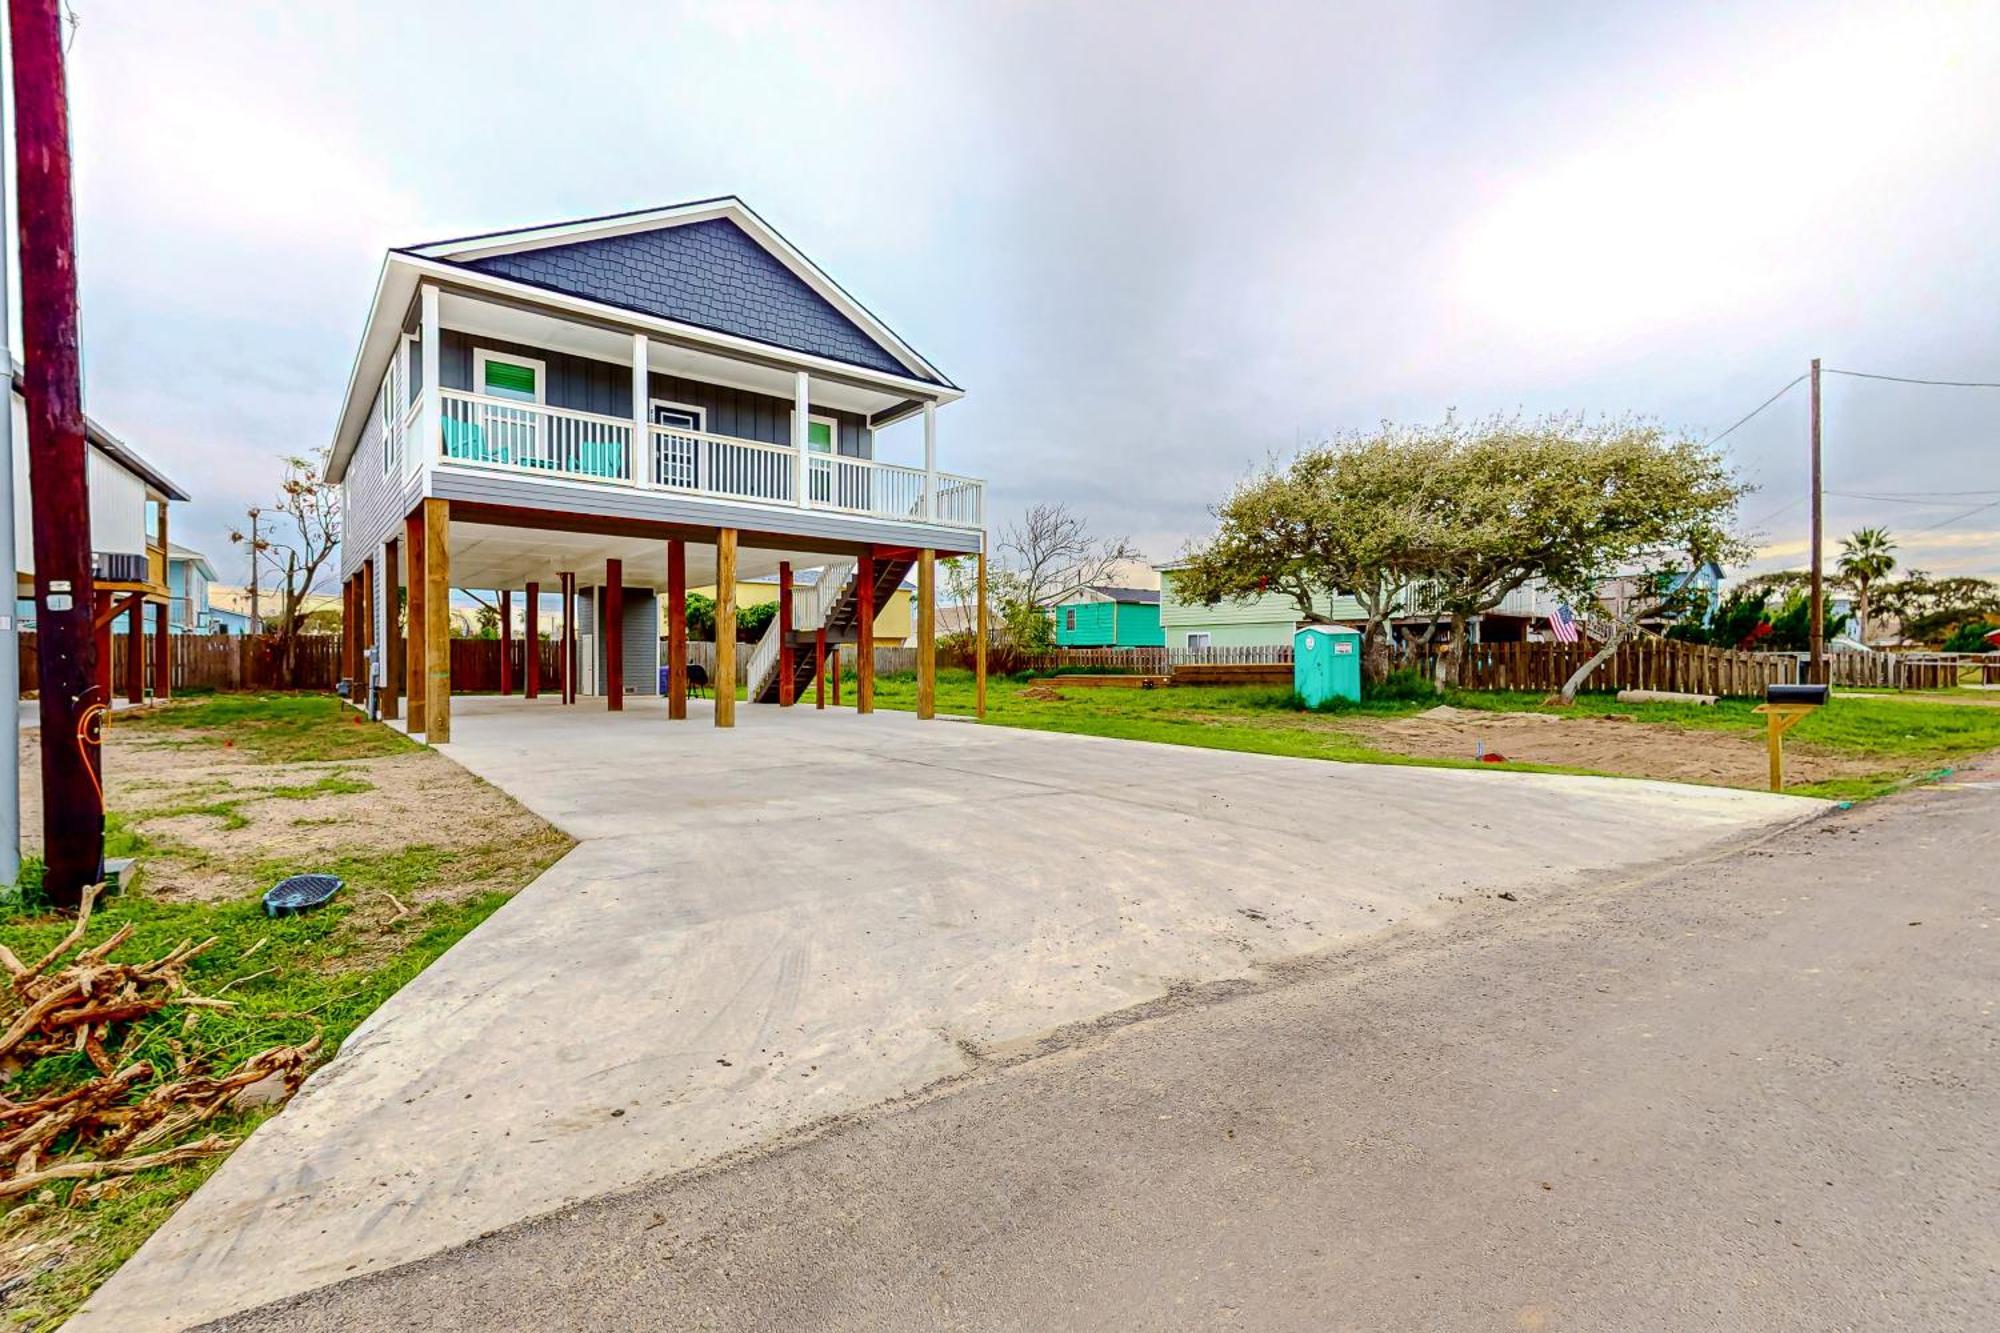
(612, 633)
(677, 631)
(437, 621)
(531, 645)
(506, 642)
(864, 648)
(725, 627)
(926, 633)
(981, 633)
(787, 664)
(416, 679)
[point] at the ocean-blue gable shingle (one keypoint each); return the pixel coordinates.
(710, 274)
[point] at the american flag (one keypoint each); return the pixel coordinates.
(1562, 624)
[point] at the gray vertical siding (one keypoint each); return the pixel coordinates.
(641, 636)
(372, 505)
(642, 642)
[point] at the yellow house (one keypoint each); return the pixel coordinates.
(895, 626)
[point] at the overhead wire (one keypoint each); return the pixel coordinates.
(1912, 379)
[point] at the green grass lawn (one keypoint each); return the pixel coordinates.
(1912, 738)
(292, 978)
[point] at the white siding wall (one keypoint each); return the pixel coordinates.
(372, 505)
(117, 501)
(1274, 610)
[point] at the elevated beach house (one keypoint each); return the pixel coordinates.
(610, 411)
(129, 498)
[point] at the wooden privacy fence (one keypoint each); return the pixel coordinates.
(1913, 671)
(215, 662)
(1645, 664)
(475, 665)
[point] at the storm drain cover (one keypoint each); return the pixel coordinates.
(299, 892)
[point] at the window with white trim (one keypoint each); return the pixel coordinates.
(497, 375)
(1197, 639)
(389, 407)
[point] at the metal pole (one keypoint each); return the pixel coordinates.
(256, 626)
(10, 629)
(72, 705)
(1818, 662)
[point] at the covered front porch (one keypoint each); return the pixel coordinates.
(600, 604)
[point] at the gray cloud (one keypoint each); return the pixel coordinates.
(1158, 243)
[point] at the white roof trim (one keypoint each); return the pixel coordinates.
(569, 233)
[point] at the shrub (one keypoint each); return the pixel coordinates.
(1405, 685)
(1970, 637)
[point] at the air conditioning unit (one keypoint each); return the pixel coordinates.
(118, 567)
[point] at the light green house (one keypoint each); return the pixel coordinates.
(1260, 622)
(1107, 617)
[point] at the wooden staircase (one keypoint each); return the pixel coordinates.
(842, 624)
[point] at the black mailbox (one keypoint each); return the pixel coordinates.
(1795, 694)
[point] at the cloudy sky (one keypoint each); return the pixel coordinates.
(1158, 243)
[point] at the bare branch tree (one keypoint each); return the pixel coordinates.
(1051, 555)
(295, 549)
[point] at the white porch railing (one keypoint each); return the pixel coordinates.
(685, 460)
(492, 432)
(863, 486)
(533, 437)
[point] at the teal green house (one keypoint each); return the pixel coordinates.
(1266, 621)
(1103, 617)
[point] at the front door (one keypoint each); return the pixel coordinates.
(677, 451)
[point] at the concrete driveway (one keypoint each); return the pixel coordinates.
(768, 928)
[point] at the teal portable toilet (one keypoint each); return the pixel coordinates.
(1326, 663)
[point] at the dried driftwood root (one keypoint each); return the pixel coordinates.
(54, 1008)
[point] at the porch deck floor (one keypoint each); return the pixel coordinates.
(767, 927)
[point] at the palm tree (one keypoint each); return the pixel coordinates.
(1866, 556)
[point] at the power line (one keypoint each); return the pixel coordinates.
(1976, 509)
(1781, 509)
(1911, 495)
(1912, 379)
(1900, 499)
(1755, 410)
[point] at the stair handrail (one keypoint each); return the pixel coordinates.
(810, 606)
(763, 659)
(809, 612)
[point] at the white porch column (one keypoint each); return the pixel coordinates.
(930, 459)
(639, 467)
(801, 413)
(430, 420)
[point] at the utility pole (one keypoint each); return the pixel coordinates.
(72, 710)
(10, 578)
(255, 554)
(1816, 667)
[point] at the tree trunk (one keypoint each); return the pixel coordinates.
(1450, 662)
(1596, 660)
(1861, 613)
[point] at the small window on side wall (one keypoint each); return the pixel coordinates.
(518, 378)
(1197, 639)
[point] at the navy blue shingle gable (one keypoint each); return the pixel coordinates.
(710, 274)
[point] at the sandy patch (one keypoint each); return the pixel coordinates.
(220, 823)
(1605, 745)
